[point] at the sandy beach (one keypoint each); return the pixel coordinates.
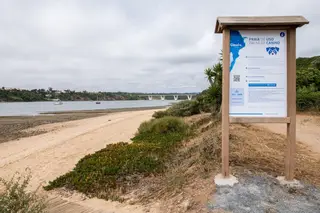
(308, 131)
(56, 152)
(16, 127)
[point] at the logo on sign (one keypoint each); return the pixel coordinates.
(272, 50)
(282, 34)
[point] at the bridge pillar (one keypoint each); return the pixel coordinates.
(175, 97)
(189, 97)
(150, 97)
(162, 97)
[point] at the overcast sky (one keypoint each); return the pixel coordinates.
(127, 45)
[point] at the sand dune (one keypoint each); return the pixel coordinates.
(54, 153)
(308, 131)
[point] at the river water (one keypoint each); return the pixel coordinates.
(35, 108)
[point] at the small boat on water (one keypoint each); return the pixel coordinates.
(57, 102)
(97, 101)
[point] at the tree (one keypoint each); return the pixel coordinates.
(209, 74)
(211, 98)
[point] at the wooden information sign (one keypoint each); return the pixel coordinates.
(259, 77)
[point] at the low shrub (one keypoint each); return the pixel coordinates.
(163, 126)
(121, 165)
(15, 198)
(180, 109)
(308, 100)
(160, 114)
(210, 99)
(166, 131)
(184, 108)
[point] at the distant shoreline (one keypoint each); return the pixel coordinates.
(14, 127)
(46, 108)
(74, 101)
(77, 112)
(102, 110)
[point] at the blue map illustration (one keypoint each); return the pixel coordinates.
(236, 44)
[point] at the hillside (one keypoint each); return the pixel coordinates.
(308, 84)
(308, 72)
(313, 62)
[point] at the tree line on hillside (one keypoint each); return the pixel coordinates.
(14, 95)
(23, 95)
(308, 83)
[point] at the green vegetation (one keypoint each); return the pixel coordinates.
(308, 84)
(210, 99)
(116, 166)
(66, 95)
(22, 95)
(180, 109)
(121, 165)
(15, 198)
(166, 132)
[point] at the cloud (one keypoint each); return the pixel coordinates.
(122, 45)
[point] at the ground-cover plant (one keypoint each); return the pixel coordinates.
(113, 169)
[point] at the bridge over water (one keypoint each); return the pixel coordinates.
(163, 96)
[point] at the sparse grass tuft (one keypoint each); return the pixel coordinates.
(15, 198)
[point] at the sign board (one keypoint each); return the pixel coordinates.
(258, 73)
(259, 77)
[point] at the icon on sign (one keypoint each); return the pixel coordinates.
(272, 50)
(282, 34)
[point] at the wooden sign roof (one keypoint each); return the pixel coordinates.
(258, 21)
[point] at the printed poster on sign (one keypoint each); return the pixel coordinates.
(258, 73)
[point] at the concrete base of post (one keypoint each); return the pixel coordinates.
(220, 180)
(292, 183)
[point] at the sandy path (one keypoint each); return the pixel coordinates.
(308, 130)
(54, 153)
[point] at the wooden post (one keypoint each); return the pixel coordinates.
(225, 103)
(291, 104)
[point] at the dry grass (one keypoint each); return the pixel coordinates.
(191, 173)
(259, 150)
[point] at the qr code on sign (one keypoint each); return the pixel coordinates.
(236, 78)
